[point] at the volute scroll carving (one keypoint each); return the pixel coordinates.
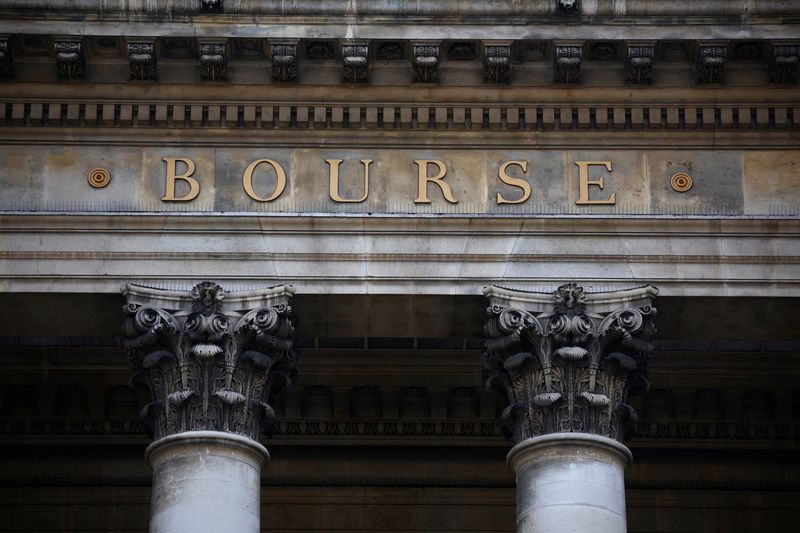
(570, 368)
(208, 365)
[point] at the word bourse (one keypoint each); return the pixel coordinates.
(430, 172)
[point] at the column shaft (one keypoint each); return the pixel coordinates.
(206, 482)
(569, 483)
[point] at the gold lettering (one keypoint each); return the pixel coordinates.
(514, 182)
(280, 180)
(424, 179)
(334, 181)
(585, 182)
(172, 177)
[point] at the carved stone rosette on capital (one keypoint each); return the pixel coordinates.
(568, 365)
(209, 361)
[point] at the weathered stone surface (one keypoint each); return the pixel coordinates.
(206, 481)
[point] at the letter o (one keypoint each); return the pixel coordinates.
(280, 183)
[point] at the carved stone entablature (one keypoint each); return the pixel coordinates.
(568, 364)
(142, 60)
(69, 60)
(569, 7)
(425, 61)
(355, 62)
(211, 6)
(6, 62)
(213, 61)
(497, 62)
(210, 361)
(639, 62)
(284, 61)
(568, 58)
(784, 62)
(711, 62)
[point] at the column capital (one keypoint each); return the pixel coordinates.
(211, 361)
(567, 361)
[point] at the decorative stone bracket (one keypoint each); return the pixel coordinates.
(568, 363)
(209, 360)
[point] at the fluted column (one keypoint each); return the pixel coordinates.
(567, 362)
(212, 364)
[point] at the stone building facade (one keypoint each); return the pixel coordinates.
(380, 266)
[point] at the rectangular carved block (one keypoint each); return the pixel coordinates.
(125, 114)
(745, 118)
(690, 117)
(601, 118)
(231, 115)
(37, 110)
(284, 116)
(73, 112)
(566, 118)
(619, 118)
(267, 116)
(18, 112)
(459, 117)
(406, 113)
(214, 115)
(54, 113)
(320, 116)
(673, 117)
(196, 114)
(584, 118)
(108, 114)
(530, 117)
(495, 117)
(548, 117)
(512, 117)
(90, 114)
(709, 121)
(726, 117)
(655, 117)
(762, 117)
(781, 116)
(637, 118)
(302, 116)
(476, 117)
(441, 117)
(371, 115)
(337, 116)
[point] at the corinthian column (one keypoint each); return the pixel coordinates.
(567, 363)
(212, 363)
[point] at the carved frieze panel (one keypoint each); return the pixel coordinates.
(208, 365)
(568, 7)
(69, 60)
(213, 61)
(355, 62)
(6, 62)
(784, 62)
(497, 62)
(142, 60)
(425, 62)
(568, 58)
(711, 60)
(569, 368)
(639, 62)
(284, 61)
(211, 6)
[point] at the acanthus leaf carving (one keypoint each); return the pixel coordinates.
(284, 61)
(568, 369)
(639, 63)
(142, 60)
(497, 63)
(425, 62)
(568, 59)
(69, 60)
(711, 63)
(784, 63)
(213, 61)
(210, 368)
(355, 62)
